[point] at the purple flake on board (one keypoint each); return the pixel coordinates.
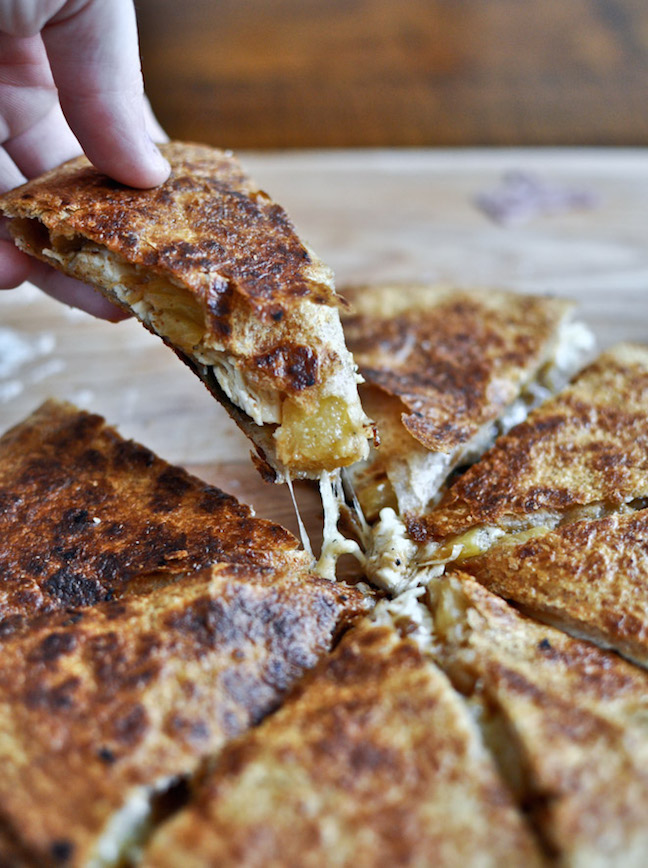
(521, 197)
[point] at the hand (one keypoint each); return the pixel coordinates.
(70, 80)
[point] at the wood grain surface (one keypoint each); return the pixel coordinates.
(346, 73)
(373, 215)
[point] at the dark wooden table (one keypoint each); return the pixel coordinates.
(325, 73)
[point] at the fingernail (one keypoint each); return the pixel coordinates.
(161, 161)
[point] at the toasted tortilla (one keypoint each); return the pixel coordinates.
(104, 708)
(588, 578)
(581, 455)
(446, 370)
(566, 721)
(374, 760)
(85, 512)
(213, 266)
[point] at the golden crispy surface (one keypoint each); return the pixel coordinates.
(455, 359)
(568, 720)
(587, 445)
(374, 761)
(97, 702)
(84, 512)
(199, 227)
(588, 578)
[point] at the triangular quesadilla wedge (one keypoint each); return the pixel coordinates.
(582, 454)
(105, 711)
(589, 578)
(84, 512)
(213, 266)
(446, 371)
(374, 760)
(567, 723)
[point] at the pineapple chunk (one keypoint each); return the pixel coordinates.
(309, 442)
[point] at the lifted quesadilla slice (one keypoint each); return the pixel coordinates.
(105, 709)
(589, 578)
(373, 760)
(212, 265)
(582, 454)
(446, 371)
(567, 723)
(85, 512)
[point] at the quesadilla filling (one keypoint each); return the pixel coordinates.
(414, 479)
(302, 388)
(129, 827)
(396, 563)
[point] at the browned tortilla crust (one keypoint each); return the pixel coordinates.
(587, 445)
(198, 227)
(83, 512)
(455, 358)
(566, 719)
(373, 761)
(131, 692)
(588, 578)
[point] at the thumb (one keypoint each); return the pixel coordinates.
(94, 56)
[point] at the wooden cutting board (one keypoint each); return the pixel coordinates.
(372, 215)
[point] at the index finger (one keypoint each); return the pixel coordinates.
(100, 87)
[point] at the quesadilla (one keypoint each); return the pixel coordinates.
(212, 265)
(582, 454)
(84, 512)
(374, 760)
(446, 371)
(108, 709)
(588, 578)
(567, 723)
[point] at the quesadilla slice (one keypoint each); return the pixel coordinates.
(588, 578)
(581, 455)
(105, 711)
(446, 371)
(373, 760)
(567, 723)
(84, 512)
(212, 265)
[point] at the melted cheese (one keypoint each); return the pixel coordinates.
(303, 533)
(409, 616)
(334, 544)
(390, 561)
(127, 829)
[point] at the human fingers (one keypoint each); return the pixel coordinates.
(16, 268)
(14, 265)
(100, 88)
(27, 95)
(153, 126)
(74, 293)
(27, 90)
(10, 174)
(28, 151)
(32, 159)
